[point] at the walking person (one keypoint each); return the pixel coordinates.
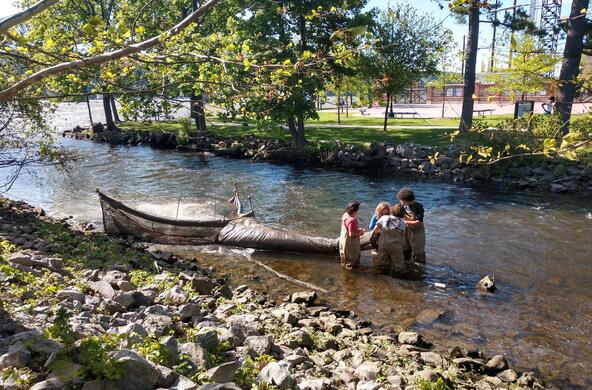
(549, 106)
(349, 239)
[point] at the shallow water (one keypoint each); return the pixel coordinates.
(538, 246)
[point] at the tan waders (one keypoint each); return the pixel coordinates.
(349, 249)
(415, 244)
(390, 251)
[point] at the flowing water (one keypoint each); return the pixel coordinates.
(538, 247)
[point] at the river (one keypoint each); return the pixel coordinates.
(537, 245)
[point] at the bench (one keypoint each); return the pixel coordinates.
(401, 113)
(483, 111)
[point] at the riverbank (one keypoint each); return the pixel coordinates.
(439, 163)
(82, 310)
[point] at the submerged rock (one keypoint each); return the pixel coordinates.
(487, 284)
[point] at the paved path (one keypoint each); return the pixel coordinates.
(338, 126)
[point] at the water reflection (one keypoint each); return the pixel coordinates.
(536, 245)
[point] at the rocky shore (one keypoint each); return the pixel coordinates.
(81, 310)
(555, 175)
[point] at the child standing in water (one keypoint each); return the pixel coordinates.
(349, 239)
(412, 212)
(382, 209)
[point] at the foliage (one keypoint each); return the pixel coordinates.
(95, 354)
(247, 373)
(22, 377)
(153, 350)
(530, 70)
(61, 329)
(438, 385)
(533, 135)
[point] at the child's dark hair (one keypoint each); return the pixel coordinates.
(352, 206)
(406, 194)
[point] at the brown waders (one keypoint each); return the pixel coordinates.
(349, 249)
(390, 251)
(415, 244)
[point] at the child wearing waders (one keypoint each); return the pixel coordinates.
(349, 239)
(412, 212)
(390, 244)
(382, 209)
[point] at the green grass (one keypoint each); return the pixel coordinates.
(330, 117)
(352, 135)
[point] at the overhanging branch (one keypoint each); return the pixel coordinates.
(107, 57)
(25, 15)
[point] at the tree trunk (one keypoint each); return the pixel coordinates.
(301, 139)
(386, 108)
(466, 118)
(570, 66)
(89, 111)
(108, 114)
(293, 129)
(114, 109)
(346, 106)
(338, 107)
(201, 115)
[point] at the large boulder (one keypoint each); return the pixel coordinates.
(137, 372)
(259, 345)
(276, 374)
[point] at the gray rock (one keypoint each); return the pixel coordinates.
(138, 373)
(196, 354)
(469, 364)
(315, 384)
(306, 297)
(172, 346)
(396, 381)
(412, 338)
(157, 325)
(508, 376)
(45, 346)
(67, 372)
(49, 384)
(175, 296)
(300, 338)
(103, 288)
(431, 358)
(369, 385)
(428, 375)
(223, 373)
(368, 370)
(208, 339)
(259, 345)
(243, 326)
(167, 376)
(125, 299)
(527, 379)
(276, 374)
(18, 358)
(203, 285)
(125, 285)
(497, 363)
(487, 284)
(220, 386)
(110, 306)
(100, 384)
(186, 312)
(135, 332)
(22, 259)
(183, 383)
(71, 295)
(144, 298)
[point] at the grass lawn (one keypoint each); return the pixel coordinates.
(330, 117)
(360, 136)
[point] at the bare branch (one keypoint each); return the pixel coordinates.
(25, 15)
(109, 56)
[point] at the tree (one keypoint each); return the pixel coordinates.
(529, 72)
(577, 28)
(406, 48)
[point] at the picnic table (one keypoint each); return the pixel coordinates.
(393, 114)
(482, 111)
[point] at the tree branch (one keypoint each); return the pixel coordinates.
(109, 56)
(25, 15)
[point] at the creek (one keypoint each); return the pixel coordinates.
(537, 245)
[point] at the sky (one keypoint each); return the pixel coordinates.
(426, 6)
